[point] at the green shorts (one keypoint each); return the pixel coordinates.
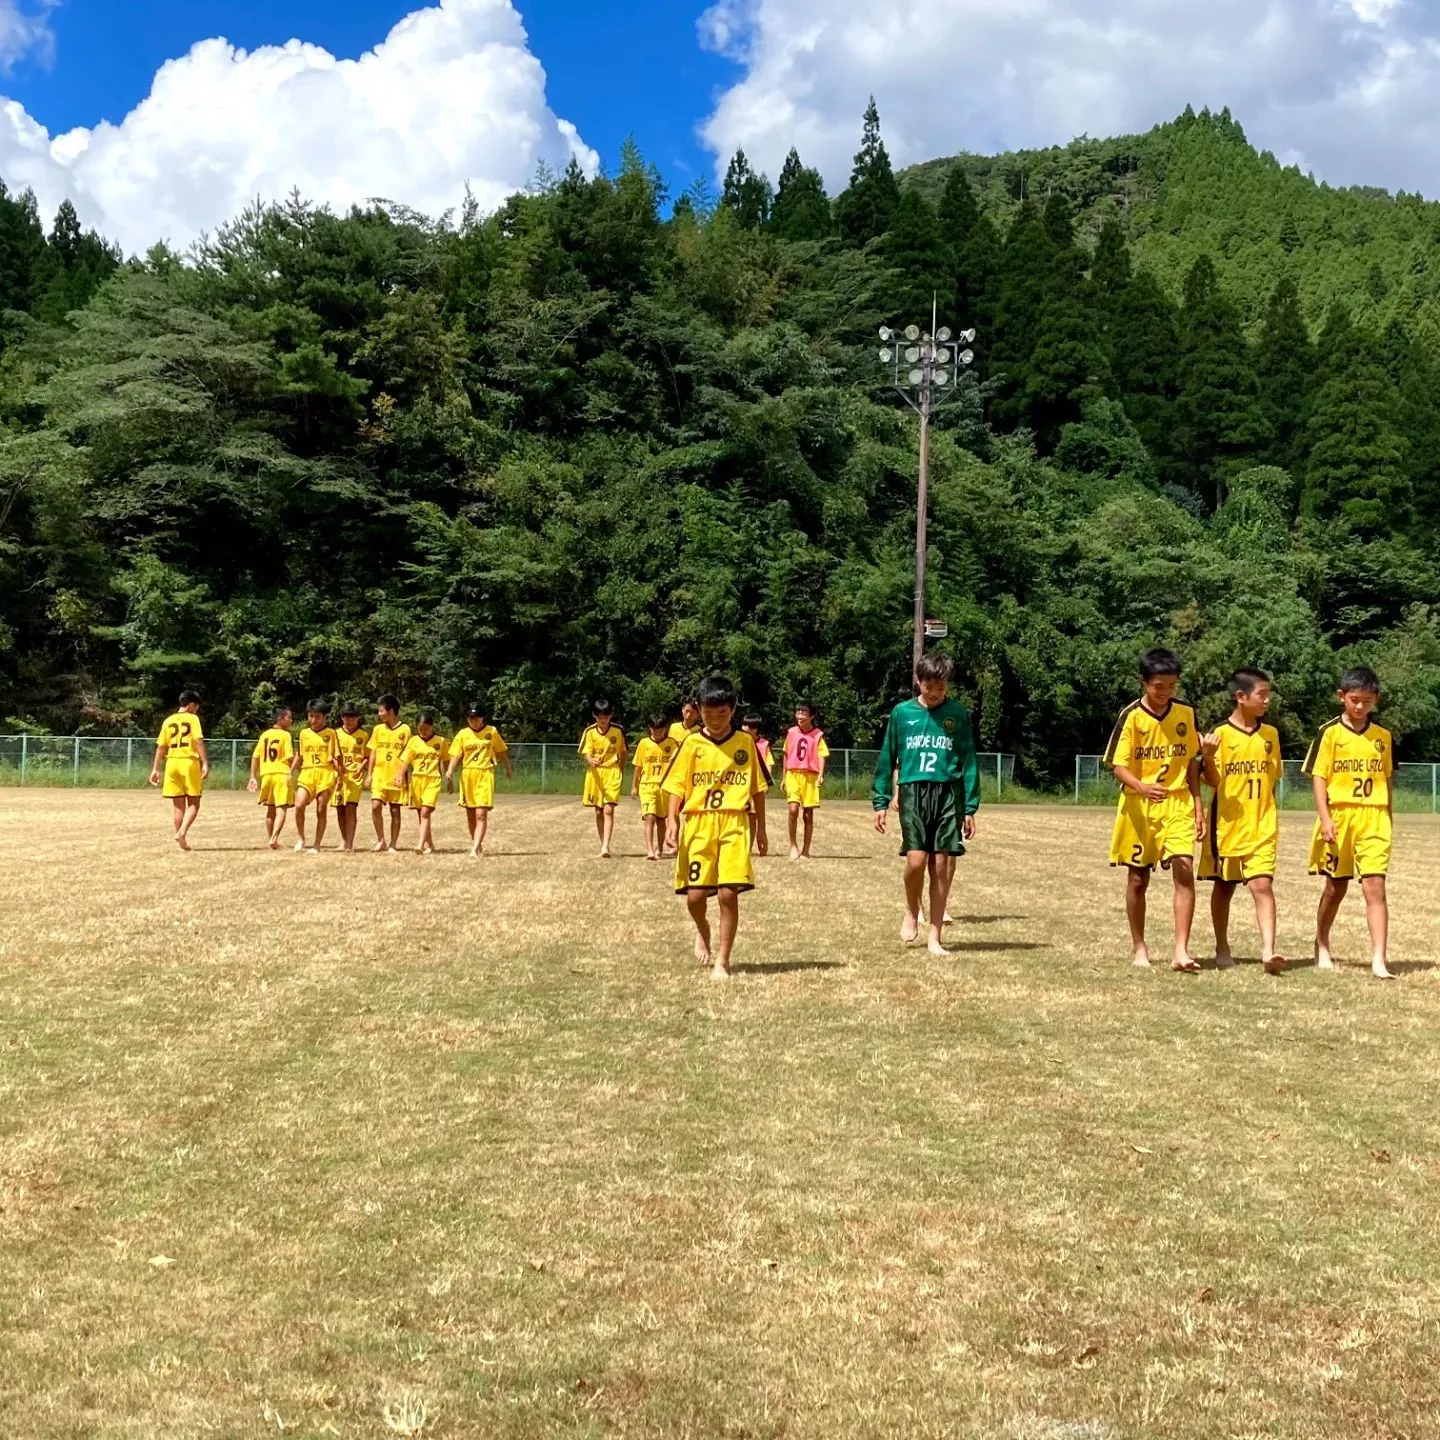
(932, 813)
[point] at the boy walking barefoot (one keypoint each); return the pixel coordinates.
(1350, 765)
(421, 776)
(602, 748)
(930, 742)
(805, 756)
(270, 774)
(383, 750)
(1154, 751)
(1241, 763)
(350, 743)
(181, 759)
(714, 781)
(317, 770)
(652, 759)
(476, 751)
(752, 725)
(688, 724)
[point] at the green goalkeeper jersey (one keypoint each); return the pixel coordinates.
(928, 745)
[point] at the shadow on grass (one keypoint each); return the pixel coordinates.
(787, 967)
(995, 946)
(983, 919)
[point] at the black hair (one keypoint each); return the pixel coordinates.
(756, 720)
(931, 666)
(282, 710)
(348, 711)
(388, 702)
(189, 697)
(475, 710)
(1360, 677)
(656, 721)
(1155, 663)
(1246, 682)
(602, 707)
(693, 699)
(318, 707)
(426, 717)
(717, 690)
(806, 706)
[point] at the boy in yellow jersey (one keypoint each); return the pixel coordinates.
(1350, 765)
(475, 752)
(717, 781)
(181, 759)
(689, 721)
(422, 775)
(602, 748)
(1241, 763)
(652, 759)
(1154, 751)
(316, 771)
(350, 745)
(387, 740)
(270, 774)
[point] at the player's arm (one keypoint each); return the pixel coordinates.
(1192, 779)
(762, 839)
(204, 758)
(822, 754)
(1209, 771)
(970, 769)
(161, 751)
(635, 778)
(453, 766)
(254, 769)
(1317, 767)
(403, 773)
(672, 821)
(883, 790)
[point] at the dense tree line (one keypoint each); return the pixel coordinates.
(597, 442)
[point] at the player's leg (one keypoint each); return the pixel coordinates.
(647, 832)
(1262, 891)
(302, 805)
(942, 877)
(397, 817)
(1330, 900)
(177, 814)
(1137, 887)
(1222, 893)
(1377, 917)
(322, 817)
(192, 813)
(377, 815)
(607, 830)
(809, 833)
(697, 902)
(482, 827)
(1182, 874)
(917, 866)
(794, 822)
(729, 903)
(427, 843)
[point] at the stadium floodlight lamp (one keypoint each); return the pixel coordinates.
(917, 376)
(943, 334)
(912, 332)
(942, 377)
(966, 357)
(886, 356)
(942, 356)
(967, 337)
(885, 332)
(912, 354)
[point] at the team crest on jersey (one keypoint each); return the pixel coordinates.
(1269, 746)
(742, 757)
(949, 723)
(1182, 729)
(1379, 747)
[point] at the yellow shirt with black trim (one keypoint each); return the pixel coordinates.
(387, 743)
(653, 757)
(608, 747)
(318, 749)
(350, 746)
(1155, 749)
(680, 732)
(274, 750)
(713, 776)
(1356, 765)
(481, 749)
(181, 735)
(1245, 817)
(425, 757)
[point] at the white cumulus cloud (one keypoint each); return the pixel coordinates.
(451, 97)
(1344, 86)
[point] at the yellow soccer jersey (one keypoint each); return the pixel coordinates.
(425, 757)
(716, 775)
(608, 748)
(318, 750)
(1356, 764)
(274, 750)
(387, 744)
(1244, 814)
(481, 749)
(181, 735)
(652, 758)
(1155, 749)
(679, 734)
(350, 751)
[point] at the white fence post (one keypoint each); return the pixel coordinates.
(75, 768)
(24, 756)
(544, 754)
(1077, 779)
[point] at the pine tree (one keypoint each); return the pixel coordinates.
(22, 250)
(864, 211)
(746, 195)
(802, 209)
(923, 264)
(1285, 368)
(959, 210)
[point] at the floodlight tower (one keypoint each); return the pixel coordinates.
(925, 368)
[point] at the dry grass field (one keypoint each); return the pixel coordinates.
(378, 1145)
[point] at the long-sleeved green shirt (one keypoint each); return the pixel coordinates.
(923, 744)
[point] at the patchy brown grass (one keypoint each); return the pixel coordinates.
(377, 1146)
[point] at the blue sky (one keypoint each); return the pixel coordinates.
(613, 68)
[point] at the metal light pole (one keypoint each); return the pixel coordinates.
(925, 370)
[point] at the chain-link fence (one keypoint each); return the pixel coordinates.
(117, 763)
(1416, 787)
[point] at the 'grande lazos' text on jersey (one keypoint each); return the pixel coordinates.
(929, 742)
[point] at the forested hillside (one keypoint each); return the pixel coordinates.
(599, 442)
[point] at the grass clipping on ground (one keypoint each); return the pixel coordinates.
(379, 1145)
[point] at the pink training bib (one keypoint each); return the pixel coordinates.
(802, 749)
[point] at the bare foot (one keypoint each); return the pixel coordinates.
(1380, 970)
(909, 929)
(1275, 965)
(312, 849)
(1224, 960)
(1323, 960)
(806, 855)
(605, 854)
(392, 849)
(794, 853)
(475, 853)
(721, 971)
(948, 919)
(1142, 959)
(182, 842)
(379, 848)
(1184, 965)
(274, 844)
(938, 950)
(299, 847)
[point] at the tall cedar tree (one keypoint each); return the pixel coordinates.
(1029, 279)
(864, 211)
(975, 246)
(923, 265)
(801, 210)
(1285, 368)
(746, 195)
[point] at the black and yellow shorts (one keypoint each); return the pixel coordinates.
(932, 817)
